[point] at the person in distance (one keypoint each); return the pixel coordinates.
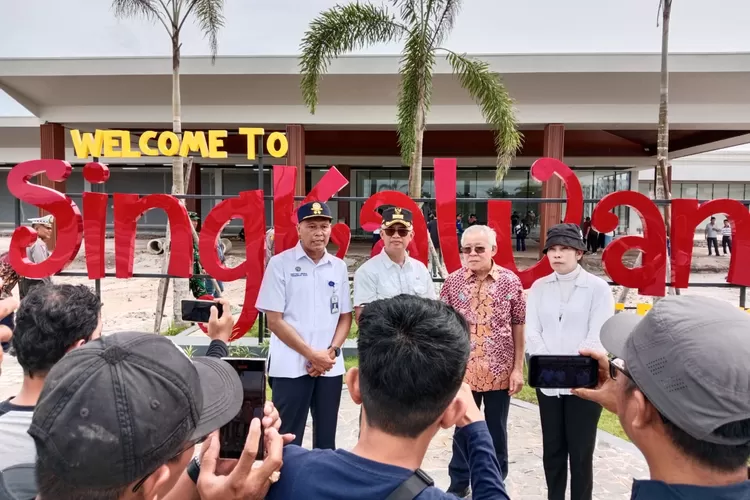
(412, 359)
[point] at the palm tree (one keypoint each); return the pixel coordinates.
(423, 26)
(172, 15)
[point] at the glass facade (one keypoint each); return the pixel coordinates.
(472, 184)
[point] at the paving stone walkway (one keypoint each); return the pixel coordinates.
(616, 462)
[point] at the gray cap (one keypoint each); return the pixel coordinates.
(114, 410)
(690, 356)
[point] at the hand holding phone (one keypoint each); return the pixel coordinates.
(220, 321)
(232, 436)
(199, 311)
(563, 371)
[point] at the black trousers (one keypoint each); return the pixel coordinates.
(715, 243)
(726, 243)
(592, 242)
(568, 433)
(496, 406)
(321, 396)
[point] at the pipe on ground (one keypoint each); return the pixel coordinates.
(156, 246)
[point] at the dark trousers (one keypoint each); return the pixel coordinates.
(321, 396)
(726, 244)
(568, 433)
(715, 243)
(10, 323)
(520, 244)
(592, 241)
(496, 405)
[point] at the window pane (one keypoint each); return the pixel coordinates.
(705, 192)
(689, 190)
(737, 191)
(721, 190)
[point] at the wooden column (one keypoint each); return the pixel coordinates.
(346, 171)
(194, 187)
(52, 142)
(295, 134)
(551, 213)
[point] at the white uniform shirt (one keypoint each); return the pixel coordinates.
(301, 290)
(555, 327)
(381, 278)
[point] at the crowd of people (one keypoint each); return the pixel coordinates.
(118, 416)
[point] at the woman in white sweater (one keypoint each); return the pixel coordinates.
(564, 313)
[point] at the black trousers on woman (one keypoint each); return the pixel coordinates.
(568, 434)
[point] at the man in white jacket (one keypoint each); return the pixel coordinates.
(565, 312)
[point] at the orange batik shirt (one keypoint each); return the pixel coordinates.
(490, 307)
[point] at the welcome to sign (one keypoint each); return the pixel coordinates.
(88, 227)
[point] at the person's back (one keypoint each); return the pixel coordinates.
(412, 359)
(50, 321)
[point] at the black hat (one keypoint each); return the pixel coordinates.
(314, 209)
(397, 215)
(568, 235)
(114, 410)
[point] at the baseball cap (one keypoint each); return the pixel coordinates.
(690, 356)
(568, 235)
(47, 220)
(114, 410)
(397, 215)
(313, 209)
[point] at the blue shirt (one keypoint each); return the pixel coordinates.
(340, 475)
(657, 490)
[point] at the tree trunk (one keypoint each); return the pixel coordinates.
(179, 285)
(662, 188)
(415, 177)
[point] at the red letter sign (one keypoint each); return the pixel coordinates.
(66, 213)
(499, 213)
(686, 215)
(249, 207)
(128, 209)
(285, 216)
(95, 220)
(650, 277)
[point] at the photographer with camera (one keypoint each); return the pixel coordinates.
(682, 397)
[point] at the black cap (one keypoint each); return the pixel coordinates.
(114, 410)
(397, 215)
(314, 209)
(568, 235)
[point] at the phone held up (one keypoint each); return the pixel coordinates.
(563, 371)
(199, 311)
(232, 436)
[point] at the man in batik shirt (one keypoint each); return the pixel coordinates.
(491, 299)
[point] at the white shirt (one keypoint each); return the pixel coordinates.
(554, 326)
(301, 290)
(381, 278)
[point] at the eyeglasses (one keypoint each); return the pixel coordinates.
(402, 231)
(186, 448)
(617, 365)
(478, 250)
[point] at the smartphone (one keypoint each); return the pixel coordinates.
(563, 372)
(232, 436)
(199, 311)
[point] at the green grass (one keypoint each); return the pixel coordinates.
(174, 330)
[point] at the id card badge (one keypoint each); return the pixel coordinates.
(334, 304)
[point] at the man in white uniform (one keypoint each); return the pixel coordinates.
(305, 296)
(392, 272)
(38, 252)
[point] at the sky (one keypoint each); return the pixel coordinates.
(88, 28)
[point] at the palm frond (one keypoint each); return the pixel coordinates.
(339, 30)
(148, 9)
(415, 90)
(210, 17)
(410, 10)
(488, 91)
(445, 21)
